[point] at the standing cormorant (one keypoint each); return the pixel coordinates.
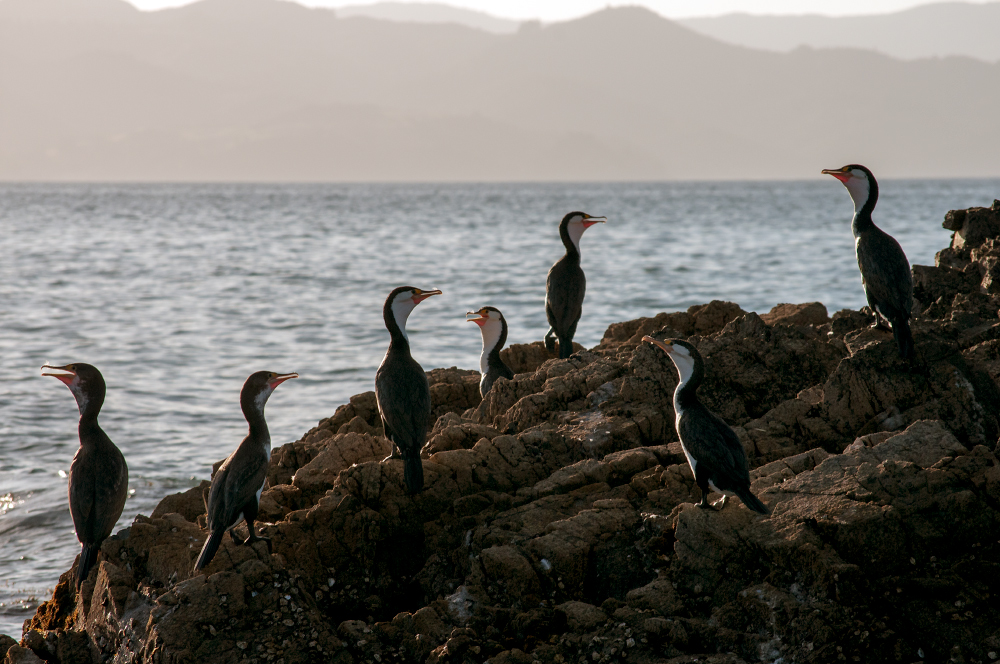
(98, 478)
(494, 328)
(237, 485)
(566, 284)
(713, 451)
(401, 389)
(885, 272)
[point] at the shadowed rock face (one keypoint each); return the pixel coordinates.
(556, 524)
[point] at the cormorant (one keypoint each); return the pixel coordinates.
(713, 451)
(98, 477)
(885, 272)
(401, 389)
(494, 328)
(566, 284)
(237, 485)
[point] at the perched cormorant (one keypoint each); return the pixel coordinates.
(494, 328)
(237, 485)
(713, 451)
(98, 478)
(401, 389)
(885, 272)
(566, 284)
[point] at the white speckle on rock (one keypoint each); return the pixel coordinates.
(546, 565)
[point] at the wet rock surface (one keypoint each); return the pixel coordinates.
(557, 522)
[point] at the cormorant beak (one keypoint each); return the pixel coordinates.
(666, 347)
(423, 295)
(838, 173)
(590, 221)
(66, 378)
(278, 380)
(477, 321)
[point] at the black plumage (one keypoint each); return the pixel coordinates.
(713, 450)
(98, 476)
(566, 285)
(401, 388)
(239, 481)
(885, 272)
(493, 326)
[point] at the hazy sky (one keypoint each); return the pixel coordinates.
(554, 10)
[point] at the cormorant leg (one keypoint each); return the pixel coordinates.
(394, 454)
(250, 514)
(232, 533)
(550, 340)
(704, 504)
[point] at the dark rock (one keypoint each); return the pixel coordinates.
(556, 522)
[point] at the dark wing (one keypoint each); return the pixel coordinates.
(715, 447)
(98, 488)
(565, 288)
(404, 401)
(235, 484)
(886, 274)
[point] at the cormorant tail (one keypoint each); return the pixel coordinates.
(565, 348)
(413, 473)
(904, 338)
(752, 501)
(88, 558)
(208, 551)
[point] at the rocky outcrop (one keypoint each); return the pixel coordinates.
(557, 523)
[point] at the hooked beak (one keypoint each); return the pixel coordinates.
(477, 321)
(417, 299)
(590, 221)
(838, 173)
(66, 378)
(667, 347)
(278, 380)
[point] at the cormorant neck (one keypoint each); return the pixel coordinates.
(864, 193)
(89, 402)
(395, 314)
(494, 336)
(691, 372)
(570, 235)
(253, 411)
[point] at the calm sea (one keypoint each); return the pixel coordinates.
(179, 292)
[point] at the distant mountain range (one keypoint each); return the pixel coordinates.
(271, 90)
(933, 30)
(947, 28)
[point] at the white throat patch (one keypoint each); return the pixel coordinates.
(76, 387)
(402, 305)
(262, 398)
(491, 330)
(575, 228)
(857, 187)
(685, 369)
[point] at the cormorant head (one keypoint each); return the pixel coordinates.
(491, 323)
(84, 381)
(575, 223)
(258, 388)
(401, 302)
(683, 354)
(859, 181)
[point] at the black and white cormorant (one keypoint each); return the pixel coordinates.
(401, 389)
(713, 450)
(885, 272)
(494, 328)
(237, 485)
(98, 478)
(566, 284)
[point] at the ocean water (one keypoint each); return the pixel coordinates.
(179, 292)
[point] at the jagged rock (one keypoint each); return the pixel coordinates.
(557, 525)
(811, 313)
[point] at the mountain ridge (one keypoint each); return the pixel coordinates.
(619, 94)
